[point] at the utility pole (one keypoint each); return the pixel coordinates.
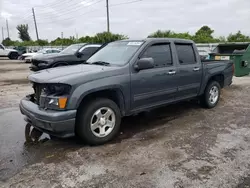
(61, 35)
(107, 6)
(7, 26)
(2, 33)
(76, 35)
(34, 16)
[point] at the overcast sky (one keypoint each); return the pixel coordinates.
(134, 19)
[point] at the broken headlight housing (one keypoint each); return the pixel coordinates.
(55, 96)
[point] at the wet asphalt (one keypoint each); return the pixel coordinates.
(21, 144)
(179, 146)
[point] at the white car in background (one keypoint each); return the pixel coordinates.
(10, 53)
(203, 54)
(27, 57)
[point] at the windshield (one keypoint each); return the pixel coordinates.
(117, 53)
(72, 49)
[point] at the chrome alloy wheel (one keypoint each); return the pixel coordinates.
(213, 94)
(103, 122)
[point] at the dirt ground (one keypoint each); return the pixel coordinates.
(178, 146)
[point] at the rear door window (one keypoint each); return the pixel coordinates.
(186, 54)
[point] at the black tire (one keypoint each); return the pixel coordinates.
(84, 116)
(60, 64)
(205, 98)
(13, 55)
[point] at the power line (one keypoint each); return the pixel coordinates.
(124, 3)
(70, 11)
(49, 5)
(84, 13)
(70, 18)
(62, 6)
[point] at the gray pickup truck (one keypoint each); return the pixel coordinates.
(123, 78)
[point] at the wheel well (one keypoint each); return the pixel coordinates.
(112, 94)
(219, 78)
(59, 63)
(13, 53)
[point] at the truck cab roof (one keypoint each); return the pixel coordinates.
(177, 40)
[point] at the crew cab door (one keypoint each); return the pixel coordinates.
(155, 86)
(189, 71)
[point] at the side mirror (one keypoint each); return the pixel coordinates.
(79, 54)
(144, 63)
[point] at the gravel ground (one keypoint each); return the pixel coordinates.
(177, 146)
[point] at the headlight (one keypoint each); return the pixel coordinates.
(55, 96)
(56, 102)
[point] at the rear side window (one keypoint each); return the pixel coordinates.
(185, 53)
(161, 53)
(89, 50)
(55, 51)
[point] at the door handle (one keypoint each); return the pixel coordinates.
(196, 69)
(171, 72)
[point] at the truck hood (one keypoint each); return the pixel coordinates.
(74, 74)
(45, 57)
(10, 50)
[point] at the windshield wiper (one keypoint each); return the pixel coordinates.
(100, 63)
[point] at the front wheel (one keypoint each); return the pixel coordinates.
(13, 55)
(211, 95)
(98, 122)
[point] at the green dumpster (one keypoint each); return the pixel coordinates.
(239, 53)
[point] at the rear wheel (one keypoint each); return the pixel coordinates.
(13, 55)
(98, 122)
(211, 95)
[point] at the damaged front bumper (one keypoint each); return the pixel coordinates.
(57, 123)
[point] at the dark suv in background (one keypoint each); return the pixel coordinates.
(74, 54)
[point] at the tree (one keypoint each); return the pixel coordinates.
(170, 34)
(42, 42)
(8, 42)
(23, 32)
(161, 34)
(105, 37)
(204, 35)
(222, 39)
(238, 37)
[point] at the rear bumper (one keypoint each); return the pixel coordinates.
(57, 123)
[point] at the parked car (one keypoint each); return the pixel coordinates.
(123, 78)
(29, 56)
(204, 55)
(74, 54)
(10, 53)
(20, 49)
